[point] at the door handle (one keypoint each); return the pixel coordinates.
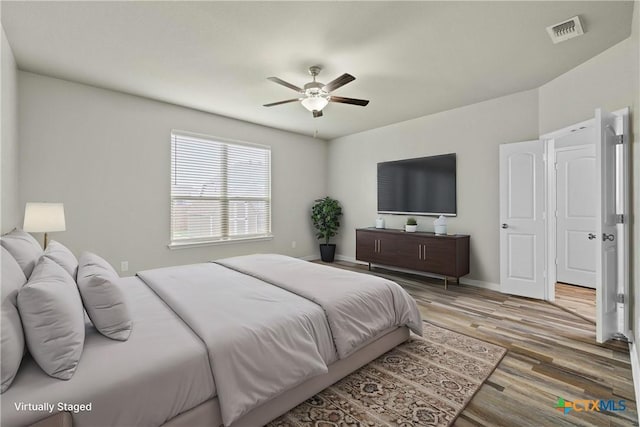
(606, 237)
(419, 251)
(505, 225)
(591, 236)
(424, 252)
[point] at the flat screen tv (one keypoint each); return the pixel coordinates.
(421, 186)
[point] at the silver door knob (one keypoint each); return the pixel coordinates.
(505, 226)
(591, 236)
(606, 237)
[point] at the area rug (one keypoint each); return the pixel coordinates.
(423, 382)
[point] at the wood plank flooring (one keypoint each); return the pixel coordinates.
(577, 299)
(551, 353)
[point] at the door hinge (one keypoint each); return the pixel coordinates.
(619, 139)
(620, 219)
(620, 298)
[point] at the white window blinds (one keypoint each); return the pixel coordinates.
(220, 191)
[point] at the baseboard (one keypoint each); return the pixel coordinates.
(635, 369)
(463, 280)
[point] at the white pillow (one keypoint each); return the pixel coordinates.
(24, 248)
(104, 301)
(12, 338)
(53, 319)
(62, 256)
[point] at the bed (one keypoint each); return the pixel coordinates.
(236, 342)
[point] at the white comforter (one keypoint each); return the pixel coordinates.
(358, 306)
(261, 339)
(266, 338)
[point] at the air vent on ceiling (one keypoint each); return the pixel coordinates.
(565, 30)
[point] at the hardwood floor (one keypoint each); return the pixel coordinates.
(577, 299)
(551, 354)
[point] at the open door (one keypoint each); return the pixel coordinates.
(522, 224)
(610, 230)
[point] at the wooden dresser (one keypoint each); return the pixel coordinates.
(447, 255)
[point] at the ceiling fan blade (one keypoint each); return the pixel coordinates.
(286, 84)
(352, 101)
(317, 113)
(339, 82)
(281, 102)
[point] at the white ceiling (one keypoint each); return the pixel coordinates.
(409, 58)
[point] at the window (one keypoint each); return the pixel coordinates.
(220, 191)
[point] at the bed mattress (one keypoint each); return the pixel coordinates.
(160, 372)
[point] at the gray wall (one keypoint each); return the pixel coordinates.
(474, 132)
(106, 156)
(9, 209)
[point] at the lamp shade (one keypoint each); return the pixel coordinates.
(44, 217)
(314, 103)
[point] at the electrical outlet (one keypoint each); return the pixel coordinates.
(293, 244)
(124, 266)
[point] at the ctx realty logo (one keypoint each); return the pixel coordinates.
(598, 405)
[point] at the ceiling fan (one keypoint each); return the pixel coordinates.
(316, 95)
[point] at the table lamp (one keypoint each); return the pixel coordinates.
(44, 218)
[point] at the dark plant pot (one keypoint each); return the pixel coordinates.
(327, 252)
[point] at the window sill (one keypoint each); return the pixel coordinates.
(187, 245)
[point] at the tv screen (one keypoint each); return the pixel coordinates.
(425, 186)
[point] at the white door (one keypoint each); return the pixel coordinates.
(522, 227)
(606, 232)
(576, 213)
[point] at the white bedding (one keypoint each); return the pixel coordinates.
(262, 340)
(266, 338)
(358, 306)
(258, 334)
(160, 372)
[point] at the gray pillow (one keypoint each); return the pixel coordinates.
(62, 256)
(24, 248)
(12, 338)
(103, 299)
(53, 319)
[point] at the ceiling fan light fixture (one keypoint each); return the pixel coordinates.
(314, 103)
(315, 95)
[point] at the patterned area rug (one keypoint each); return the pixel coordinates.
(422, 382)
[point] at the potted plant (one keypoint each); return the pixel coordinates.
(326, 214)
(411, 226)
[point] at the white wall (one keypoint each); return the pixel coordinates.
(603, 81)
(9, 209)
(635, 151)
(474, 132)
(608, 80)
(106, 156)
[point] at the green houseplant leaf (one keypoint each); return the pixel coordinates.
(325, 215)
